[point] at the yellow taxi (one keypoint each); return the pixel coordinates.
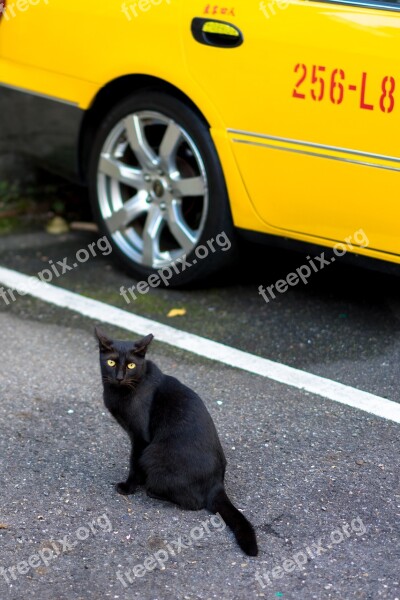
(192, 120)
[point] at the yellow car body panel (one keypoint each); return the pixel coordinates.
(315, 168)
(303, 113)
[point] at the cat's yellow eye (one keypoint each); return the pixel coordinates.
(131, 366)
(111, 363)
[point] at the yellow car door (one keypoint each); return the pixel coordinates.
(310, 97)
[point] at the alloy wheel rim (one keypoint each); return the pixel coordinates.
(152, 189)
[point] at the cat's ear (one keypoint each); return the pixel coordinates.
(104, 342)
(141, 346)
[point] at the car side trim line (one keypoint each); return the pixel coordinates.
(359, 157)
(313, 145)
(319, 155)
(37, 94)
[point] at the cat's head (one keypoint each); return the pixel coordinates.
(122, 363)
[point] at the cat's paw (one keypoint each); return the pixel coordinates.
(125, 488)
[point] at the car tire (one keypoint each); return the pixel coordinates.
(158, 192)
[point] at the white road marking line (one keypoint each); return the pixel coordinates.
(332, 390)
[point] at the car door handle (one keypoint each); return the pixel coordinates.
(216, 33)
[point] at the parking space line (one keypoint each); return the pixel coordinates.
(102, 312)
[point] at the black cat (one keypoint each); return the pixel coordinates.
(176, 452)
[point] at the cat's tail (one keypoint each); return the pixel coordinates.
(218, 502)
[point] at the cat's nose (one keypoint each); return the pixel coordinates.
(119, 375)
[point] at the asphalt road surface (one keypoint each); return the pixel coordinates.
(319, 480)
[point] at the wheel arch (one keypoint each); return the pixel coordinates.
(114, 92)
